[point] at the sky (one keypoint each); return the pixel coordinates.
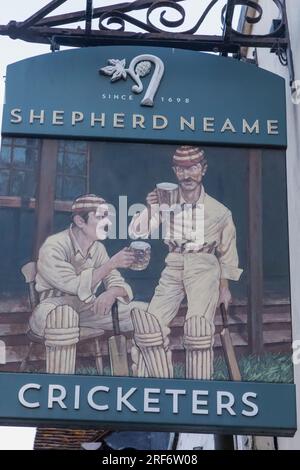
(14, 50)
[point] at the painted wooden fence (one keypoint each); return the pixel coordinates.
(14, 317)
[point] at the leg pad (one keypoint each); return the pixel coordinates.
(150, 342)
(61, 337)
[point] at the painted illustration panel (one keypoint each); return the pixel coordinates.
(146, 260)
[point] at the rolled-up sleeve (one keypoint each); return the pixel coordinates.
(227, 250)
(60, 274)
(114, 278)
(85, 285)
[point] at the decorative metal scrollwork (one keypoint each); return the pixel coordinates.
(118, 16)
(120, 23)
(259, 10)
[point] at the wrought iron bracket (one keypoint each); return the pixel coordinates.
(120, 24)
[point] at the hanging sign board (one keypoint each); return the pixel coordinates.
(143, 200)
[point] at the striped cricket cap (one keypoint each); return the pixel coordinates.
(87, 202)
(187, 156)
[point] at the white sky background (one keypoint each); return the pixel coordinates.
(15, 50)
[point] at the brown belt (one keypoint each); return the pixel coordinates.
(206, 248)
(47, 294)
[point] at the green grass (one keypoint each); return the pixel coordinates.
(90, 370)
(269, 367)
(266, 368)
(179, 370)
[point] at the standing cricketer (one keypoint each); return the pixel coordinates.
(199, 265)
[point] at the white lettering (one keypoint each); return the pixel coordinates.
(123, 221)
(273, 127)
(27, 404)
(90, 398)
(119, 120)
(56, 399)
(190, 124)
(209, 124)
(122, 399)
(156, 119)
(77, 116)
(253, 406)
(247, 128)
(58, 118)
(228, 126)
(138, 120)
(77, 397)
(95, 119)
(175, 394)
(196, 403)
(16, 115)
(148, 401)
(225, 406)
(39, 117)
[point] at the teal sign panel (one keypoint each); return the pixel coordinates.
(139, 93)
(159, 96)
(183, 405)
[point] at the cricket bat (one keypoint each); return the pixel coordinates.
(228, 348)
(117, 346)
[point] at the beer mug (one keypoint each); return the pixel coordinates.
(167, 194)
(142, 252)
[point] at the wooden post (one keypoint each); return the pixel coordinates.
(45, 193)
(255, 254)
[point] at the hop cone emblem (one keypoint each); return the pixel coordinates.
(143, 68)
